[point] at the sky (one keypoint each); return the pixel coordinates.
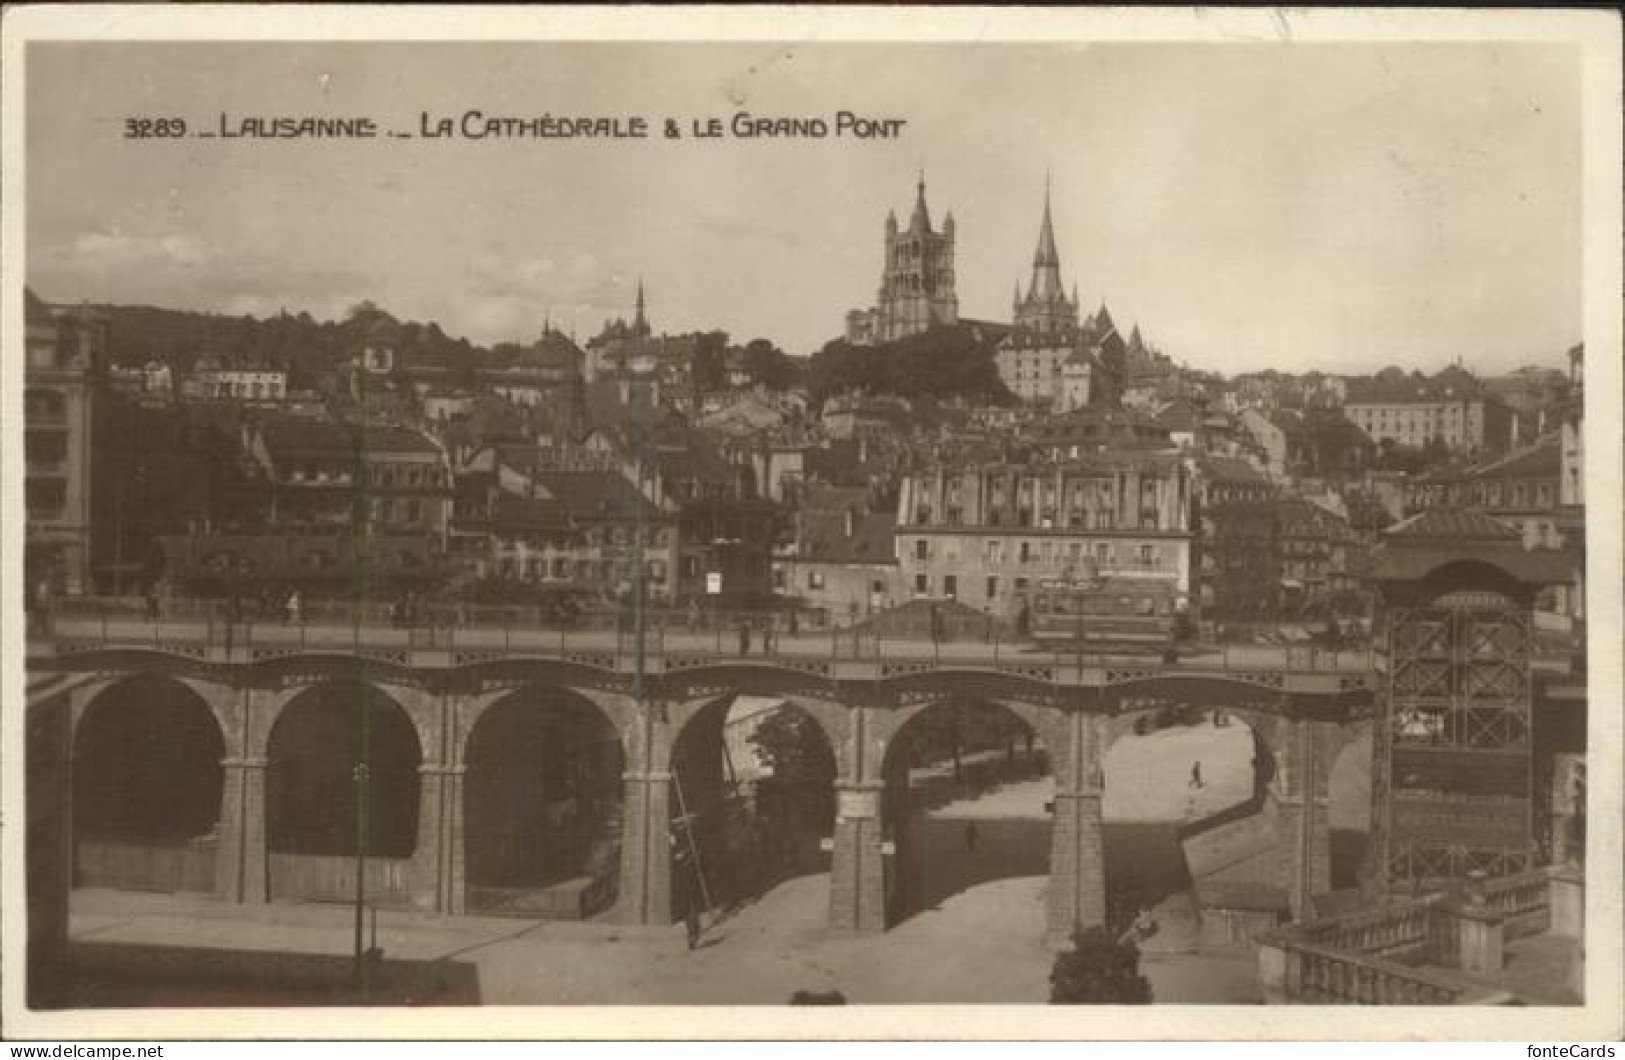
(1251, 205)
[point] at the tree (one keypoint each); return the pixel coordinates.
(705, 364)
(793, 746)
(1099, 971)
(767, 364)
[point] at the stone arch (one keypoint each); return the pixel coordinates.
(942, 843)
(221, 698)
(313, 808)
(419, 708)
(1048, 723)
(620, 712)
(750, 833)
(147, 785)
(832, 718)
(542, 802)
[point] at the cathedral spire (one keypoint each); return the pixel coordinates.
(1045, 255)
(639, 324)
(1046, 308)
(921, 221)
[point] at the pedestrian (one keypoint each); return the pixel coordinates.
(744, 638)
(767, 638)
(794, 628)
(292, 613)
(970, 837)
(1196, 774)
(152, 602)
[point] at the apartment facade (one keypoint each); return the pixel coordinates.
(989, 535)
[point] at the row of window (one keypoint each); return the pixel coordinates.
(993, 551)
(1077, 519)
(593, 537)
(396, 475)
(606, 572)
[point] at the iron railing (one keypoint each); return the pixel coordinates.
(81, 623)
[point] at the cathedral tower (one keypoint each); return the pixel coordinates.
(1045, 309)
(917, 282)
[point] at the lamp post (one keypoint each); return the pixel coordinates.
(362, 776)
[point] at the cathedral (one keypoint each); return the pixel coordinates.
(1049, 358)
(917, 284)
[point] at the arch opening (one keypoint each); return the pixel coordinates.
(322, 812)
(147, 788)
(543, 807)
(1349, 812)
(1189, 830)
(966, 803)
(754, 788)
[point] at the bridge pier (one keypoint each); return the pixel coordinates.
(438, 881)
(857, 885)
(1303, 819)
(240, 870)
(1077, 889)
(646, 854)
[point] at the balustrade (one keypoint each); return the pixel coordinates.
(1357, 958)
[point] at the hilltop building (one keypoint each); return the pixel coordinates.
(916, 284)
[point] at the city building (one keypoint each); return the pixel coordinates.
(64, 443)
(213, 377)
(916, 283)
(988, 535)
(1451, 408)
(1239, 544)
(1522, 489)
(840, 560)
(319, 475)
(621, 346)
(547, 376)
(1049, 358)
(1321, 560)
(561, 522)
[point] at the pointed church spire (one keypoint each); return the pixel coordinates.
(639, 324)
(921, 221)
(1045, 255)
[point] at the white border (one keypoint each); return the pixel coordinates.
(1596, 35)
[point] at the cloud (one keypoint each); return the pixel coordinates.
(182, 271)
(114, 251)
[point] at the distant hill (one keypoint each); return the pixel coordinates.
(944, 362)
(298, 344)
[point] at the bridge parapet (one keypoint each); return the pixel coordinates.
(839, 655)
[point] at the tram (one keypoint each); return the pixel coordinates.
(1116, 613)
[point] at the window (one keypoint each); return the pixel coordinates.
(1103, 553)
(922, 549)
(1148, 556)
(992, 586)
(815, 580)
(1026, 552)
(922, 584)
(950, 586)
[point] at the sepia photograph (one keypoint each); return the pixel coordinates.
(815, 514)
